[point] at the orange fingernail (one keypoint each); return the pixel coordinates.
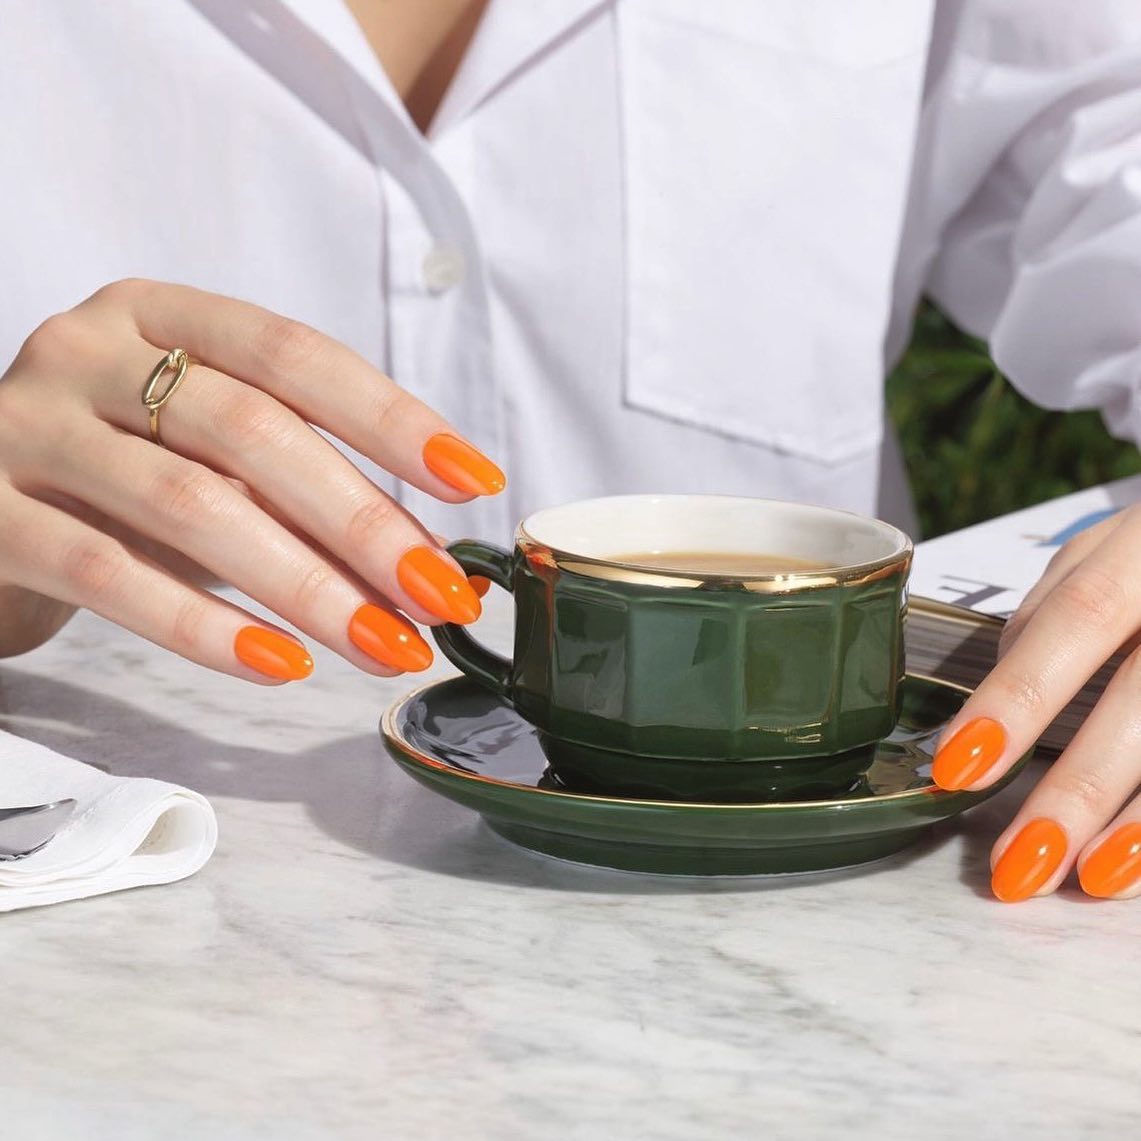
(273, 654)
(1032, 858)
(968, 754)
(1114, 865)
(437, 586)
(479, 584)
(389, 639)
(466, 468)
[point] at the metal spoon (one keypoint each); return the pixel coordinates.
(26, 830)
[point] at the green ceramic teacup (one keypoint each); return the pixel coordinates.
(670, 683)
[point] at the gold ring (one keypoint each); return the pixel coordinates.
(177, 362)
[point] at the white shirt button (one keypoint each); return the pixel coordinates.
(443, 268)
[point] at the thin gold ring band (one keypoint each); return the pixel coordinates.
(154, 397)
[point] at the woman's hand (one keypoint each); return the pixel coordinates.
(96, 515)
(1085, 811)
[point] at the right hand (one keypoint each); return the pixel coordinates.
(96, 515)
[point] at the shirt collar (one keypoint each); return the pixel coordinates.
(300, 40)
(508, 37)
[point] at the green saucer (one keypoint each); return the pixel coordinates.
(463, 742)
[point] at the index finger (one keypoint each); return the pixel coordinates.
(1076, 628)
(1067, 557)
(319, 378)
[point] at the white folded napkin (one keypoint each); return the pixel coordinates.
(124, 832)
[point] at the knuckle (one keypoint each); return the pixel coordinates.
(188, 622)
(187, 497)
(45, 372)
(390, 408)
(94, 566)
(287, 345)
(126, 291)
(251, 419)
(1021, 692)
(50, 341)
(1094, 598)
(312, 587)
(1088, 788)
(368, 521)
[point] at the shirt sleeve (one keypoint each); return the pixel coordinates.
(1028, 178)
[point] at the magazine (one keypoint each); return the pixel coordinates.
(966, 584)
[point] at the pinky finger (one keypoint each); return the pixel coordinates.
(1110, 865)
(78, 564)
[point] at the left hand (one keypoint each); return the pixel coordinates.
(1085, 811)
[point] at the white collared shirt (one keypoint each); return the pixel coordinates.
(648, 245)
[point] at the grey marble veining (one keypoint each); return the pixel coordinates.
(362, 959)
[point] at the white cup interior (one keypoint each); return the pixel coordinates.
(616, 527)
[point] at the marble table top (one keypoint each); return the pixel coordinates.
(361, 959)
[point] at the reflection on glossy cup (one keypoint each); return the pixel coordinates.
(674, 683)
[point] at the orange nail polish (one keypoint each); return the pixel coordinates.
(1114, 865)
(479, 584)
(1031, 859)
(968, 754)
(466, 468)
(273, 654)
(437, 586)
(389, 639)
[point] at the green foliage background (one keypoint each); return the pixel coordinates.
(974, 447)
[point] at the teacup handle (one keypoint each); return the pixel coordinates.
(460, 648)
